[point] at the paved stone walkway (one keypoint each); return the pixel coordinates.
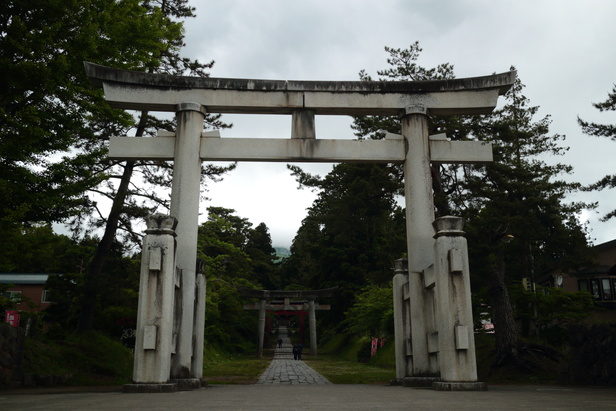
(284, 370)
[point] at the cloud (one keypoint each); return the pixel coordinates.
(562, 51)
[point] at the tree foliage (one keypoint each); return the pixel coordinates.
(603, 130)
(37, 249)
(552, 310)
(519, 224)
(372, 314)
(353, 232)
(521, 194)
(52, 120)
(235, 255)
(131, 200)
(404, 67)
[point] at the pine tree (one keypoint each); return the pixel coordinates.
(603, 130)
(519, 224)
(353, 232)
(130, 200)
(262, 256)
(355, 229)
(404, 67)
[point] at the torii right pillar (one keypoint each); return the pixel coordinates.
(432, 308)
(420, 361)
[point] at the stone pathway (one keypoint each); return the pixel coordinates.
(284, 370)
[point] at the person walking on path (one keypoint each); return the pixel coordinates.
(280, 342)
(295, 352)
(300, 348)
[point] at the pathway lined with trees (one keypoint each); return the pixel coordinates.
(284, 370)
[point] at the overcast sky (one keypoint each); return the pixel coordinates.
(563, 50)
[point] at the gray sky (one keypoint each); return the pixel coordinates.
(563, 50)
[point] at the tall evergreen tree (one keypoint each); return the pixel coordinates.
(231, 248)
(130, 200)
(519, 222)
(355, 229)
(222, 244)
(235, 255)
(404, 67)
(603, 130)
(352, 234)
(262, 256)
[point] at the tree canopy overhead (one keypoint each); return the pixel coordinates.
(54, 124)
(52, 120)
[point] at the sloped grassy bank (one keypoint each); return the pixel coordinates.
(87, 359)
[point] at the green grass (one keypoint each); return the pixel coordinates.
(246, 369)
(87, 359)
(93, 359)
(348, 372)
(243, 369)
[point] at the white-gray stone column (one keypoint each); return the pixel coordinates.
(199, 325)
(154, 331)
(312, 326)
(401, 318)
(420, 242)
(185, 193)
(456, 340)
(262, 312)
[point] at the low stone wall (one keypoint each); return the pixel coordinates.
(593, 355)
(11, 355)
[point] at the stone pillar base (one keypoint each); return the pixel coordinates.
(149, 388)
(187, 384)
(419, 381)
(459, 386)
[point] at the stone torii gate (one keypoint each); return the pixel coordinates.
(190, 98)
(288, 307)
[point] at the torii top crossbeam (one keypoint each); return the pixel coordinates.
(160, 92)
(273, 294)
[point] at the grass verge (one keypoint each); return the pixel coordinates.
(87, 359)
(348, 372)
(242, 369)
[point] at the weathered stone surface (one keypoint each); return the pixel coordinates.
(149, 388)
(154, 331)
(187, 384)
(459, 386)
(185, 196)
(159, 92)
(419, 381)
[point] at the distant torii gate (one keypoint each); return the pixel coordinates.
(270, 301)
(423, 328)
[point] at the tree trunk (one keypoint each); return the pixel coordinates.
(92, 286)
(506, 335)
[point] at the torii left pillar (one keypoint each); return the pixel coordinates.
(187, 368)
(154, 334)
(312, 326)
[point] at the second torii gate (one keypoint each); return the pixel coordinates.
(190, 98)
(288, 307)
